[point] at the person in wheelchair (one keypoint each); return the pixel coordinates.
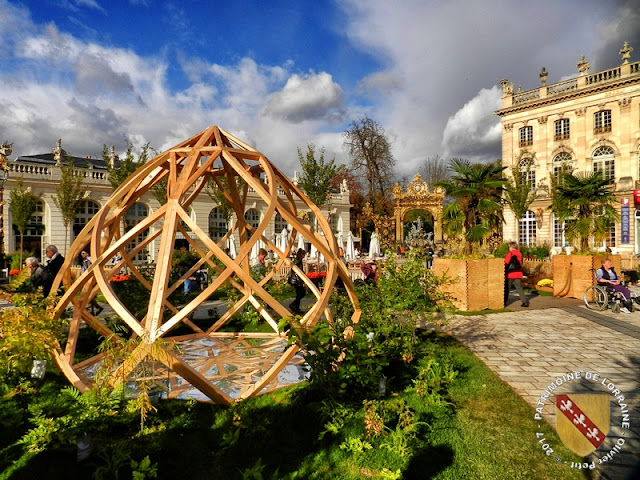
(607, 277)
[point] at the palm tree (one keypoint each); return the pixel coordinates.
(477, 209)
(585, 201)
(519, 193)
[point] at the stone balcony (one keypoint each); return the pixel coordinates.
(582, 82)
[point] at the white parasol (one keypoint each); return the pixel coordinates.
(350, 251)
(300, 242)
(284, 239)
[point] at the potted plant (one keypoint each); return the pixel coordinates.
(585, 202)
(475, 213)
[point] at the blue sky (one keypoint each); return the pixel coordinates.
(282, 74)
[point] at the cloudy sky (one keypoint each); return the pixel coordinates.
(285, 73)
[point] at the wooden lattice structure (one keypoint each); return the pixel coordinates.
(202, 360)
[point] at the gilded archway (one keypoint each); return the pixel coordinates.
(224, 366)
(418, 197)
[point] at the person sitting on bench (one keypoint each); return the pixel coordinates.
(607, 277)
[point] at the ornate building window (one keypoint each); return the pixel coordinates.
(559, 238)
(611, 236)
(32, 238)
(562, 162)
(603, 161)
(252, 216)
(86, 212)
(526, 137)
(602, 121)
(528, 170)
(136, 214)
(279, 223)
(218, 225)
(561, 129)
(36, 224)
(527, 233)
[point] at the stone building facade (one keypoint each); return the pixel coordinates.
(42, 173)
(587, 123)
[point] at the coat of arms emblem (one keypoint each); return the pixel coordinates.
(582, 420)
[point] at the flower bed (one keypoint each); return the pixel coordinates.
(120, 278)
(316, 275)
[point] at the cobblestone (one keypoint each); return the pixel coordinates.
(530, 348)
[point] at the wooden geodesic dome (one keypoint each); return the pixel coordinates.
(223, 366)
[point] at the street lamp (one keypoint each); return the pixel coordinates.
(5, 151)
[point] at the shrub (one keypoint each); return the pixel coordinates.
(28, 331)
(353, 358)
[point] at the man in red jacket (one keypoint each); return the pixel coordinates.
(513, 268)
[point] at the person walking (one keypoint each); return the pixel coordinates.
(297, 283)
(513, 269)
(54, 263)
(38, 276)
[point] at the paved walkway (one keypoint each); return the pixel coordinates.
(530, 348)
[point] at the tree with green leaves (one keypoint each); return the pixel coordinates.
(70, 193)
(519, 193)
(585, 201)
(120, 169)
(215, 193)
(476, 211)
(366, 143)
(24, 203)
(317, 174)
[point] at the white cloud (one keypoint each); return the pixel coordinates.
(308, 97)
(379, 83)
(434, 92)
(473, 131)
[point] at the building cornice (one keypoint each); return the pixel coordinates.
(571, 95)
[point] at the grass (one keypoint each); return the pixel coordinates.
(492, 434)
(481, 430)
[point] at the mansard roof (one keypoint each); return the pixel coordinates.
(78, 162)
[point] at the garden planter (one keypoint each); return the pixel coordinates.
(477, 284)
(572, 274)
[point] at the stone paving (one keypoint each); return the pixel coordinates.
(530, 348)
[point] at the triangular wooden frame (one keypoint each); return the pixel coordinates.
(211, 154)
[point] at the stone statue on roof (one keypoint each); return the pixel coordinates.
(5, 150)
(58, 152)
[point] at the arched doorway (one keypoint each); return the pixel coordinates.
(417, 197)
(134, 215)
